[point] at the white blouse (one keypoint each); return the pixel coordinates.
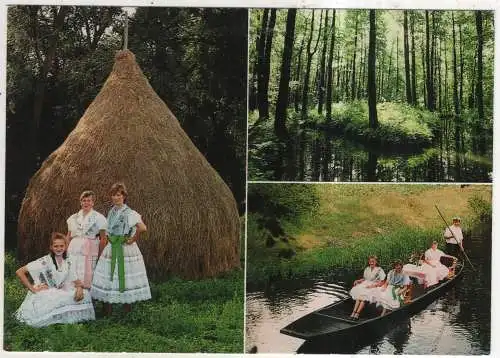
(89, 225)
(433, 255)
(377, 274)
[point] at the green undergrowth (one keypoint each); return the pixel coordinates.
(182, 316)
(398, 123)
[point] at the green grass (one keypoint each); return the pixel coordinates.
(182, 316)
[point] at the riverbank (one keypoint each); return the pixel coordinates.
(182, 316)
(354, 221)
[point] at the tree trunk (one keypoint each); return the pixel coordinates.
(305, 93)
(479, 88)
(266, 69)
(46, 66)
(413, 63)
(282, 101)
(397, 67)
(297, 78)
(321, 89)
(407, 58)
(456, 103)
(261, 54)
(353, 74)
(371, 88)
(428, 55)
(327, 146)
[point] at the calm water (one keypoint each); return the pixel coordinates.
(456, 323)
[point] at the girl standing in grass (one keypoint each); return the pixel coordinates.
(120, 275)
(86, 232)
(51, 297)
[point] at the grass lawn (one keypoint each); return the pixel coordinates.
(182, 316)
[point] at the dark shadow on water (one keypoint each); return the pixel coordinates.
(396, 333)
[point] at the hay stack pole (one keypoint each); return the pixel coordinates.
(128, 134)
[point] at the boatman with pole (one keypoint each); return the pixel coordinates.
(454, 237)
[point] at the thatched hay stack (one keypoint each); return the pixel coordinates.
(128, 134)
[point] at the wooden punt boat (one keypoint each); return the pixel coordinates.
(333, 320)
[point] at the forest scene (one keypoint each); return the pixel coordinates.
(58, 58)
(371, 95)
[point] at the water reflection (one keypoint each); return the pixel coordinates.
(456, 323)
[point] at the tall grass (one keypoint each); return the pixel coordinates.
(395, 245)
(183, 316)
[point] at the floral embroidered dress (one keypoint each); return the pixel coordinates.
(390, 297)
(120, 275)
(83, 248)
(360, 291)
(55, 304)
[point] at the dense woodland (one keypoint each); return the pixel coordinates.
(371, 95)
(59, 57)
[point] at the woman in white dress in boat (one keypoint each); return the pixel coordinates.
(86, 234)
(365, 288)
(51, 296)
(390, 295)
(434, 270)
(120, 275)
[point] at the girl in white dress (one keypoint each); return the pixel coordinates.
(51, 297)
(120, 275)
(435, 271)
(87, 235)
(390, 294)
(364, 288)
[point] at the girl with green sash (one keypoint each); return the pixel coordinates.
(390, 295)
(120, 275)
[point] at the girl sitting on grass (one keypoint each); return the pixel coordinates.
(55, 296)
(120, 275)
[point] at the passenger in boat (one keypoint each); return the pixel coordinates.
(435, 271)
(454, 238)
(391, 294)
(364, 288)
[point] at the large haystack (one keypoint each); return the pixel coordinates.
(128, 134)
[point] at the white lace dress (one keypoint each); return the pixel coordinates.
(56, 304)
(434, 274)
(122, 221)
(360, 291)
(84, 244)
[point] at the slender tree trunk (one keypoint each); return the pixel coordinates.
(305, 92)
(266, 69)
(389, 73)
(461, 65)
(327, 154)
(353, 73)
(479, 88)
(261, 53)
(424, 76)
(372, 90)
(429, 86)
(456, 103)
(322, 74)
(413, 63)
(397, 68)
(407, 58)
(297, 78)
(282, 101)
(41, 82)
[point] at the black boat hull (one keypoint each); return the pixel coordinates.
(308, 327)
